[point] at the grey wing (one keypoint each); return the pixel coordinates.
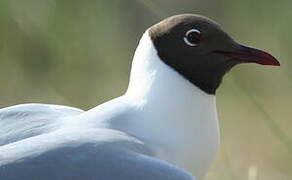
(82, 159)
(23, 121)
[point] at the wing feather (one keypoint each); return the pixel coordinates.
(90, 155)
(23, 121)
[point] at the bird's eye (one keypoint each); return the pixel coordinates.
(192, 37)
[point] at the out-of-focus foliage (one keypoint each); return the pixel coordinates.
(79, 53)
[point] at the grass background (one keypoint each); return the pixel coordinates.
(78, 53)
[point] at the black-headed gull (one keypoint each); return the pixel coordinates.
(164, 127)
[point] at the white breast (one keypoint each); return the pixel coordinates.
(170, 115)
(178, 119)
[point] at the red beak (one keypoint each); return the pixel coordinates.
(251, 55)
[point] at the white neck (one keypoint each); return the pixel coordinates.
(175, 117)
(177, 120)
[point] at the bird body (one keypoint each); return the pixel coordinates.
(163, 126)
(186, 135)
(79, 153)
(175, 119)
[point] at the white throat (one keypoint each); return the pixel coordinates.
(175, 117)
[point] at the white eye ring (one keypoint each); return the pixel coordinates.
(186, 37)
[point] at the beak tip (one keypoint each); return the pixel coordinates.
(271, 61)
(277, 64)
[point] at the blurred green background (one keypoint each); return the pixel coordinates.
(78, 53)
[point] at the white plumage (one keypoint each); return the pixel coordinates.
(162, 124)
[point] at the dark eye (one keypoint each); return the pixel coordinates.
(192, 37)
